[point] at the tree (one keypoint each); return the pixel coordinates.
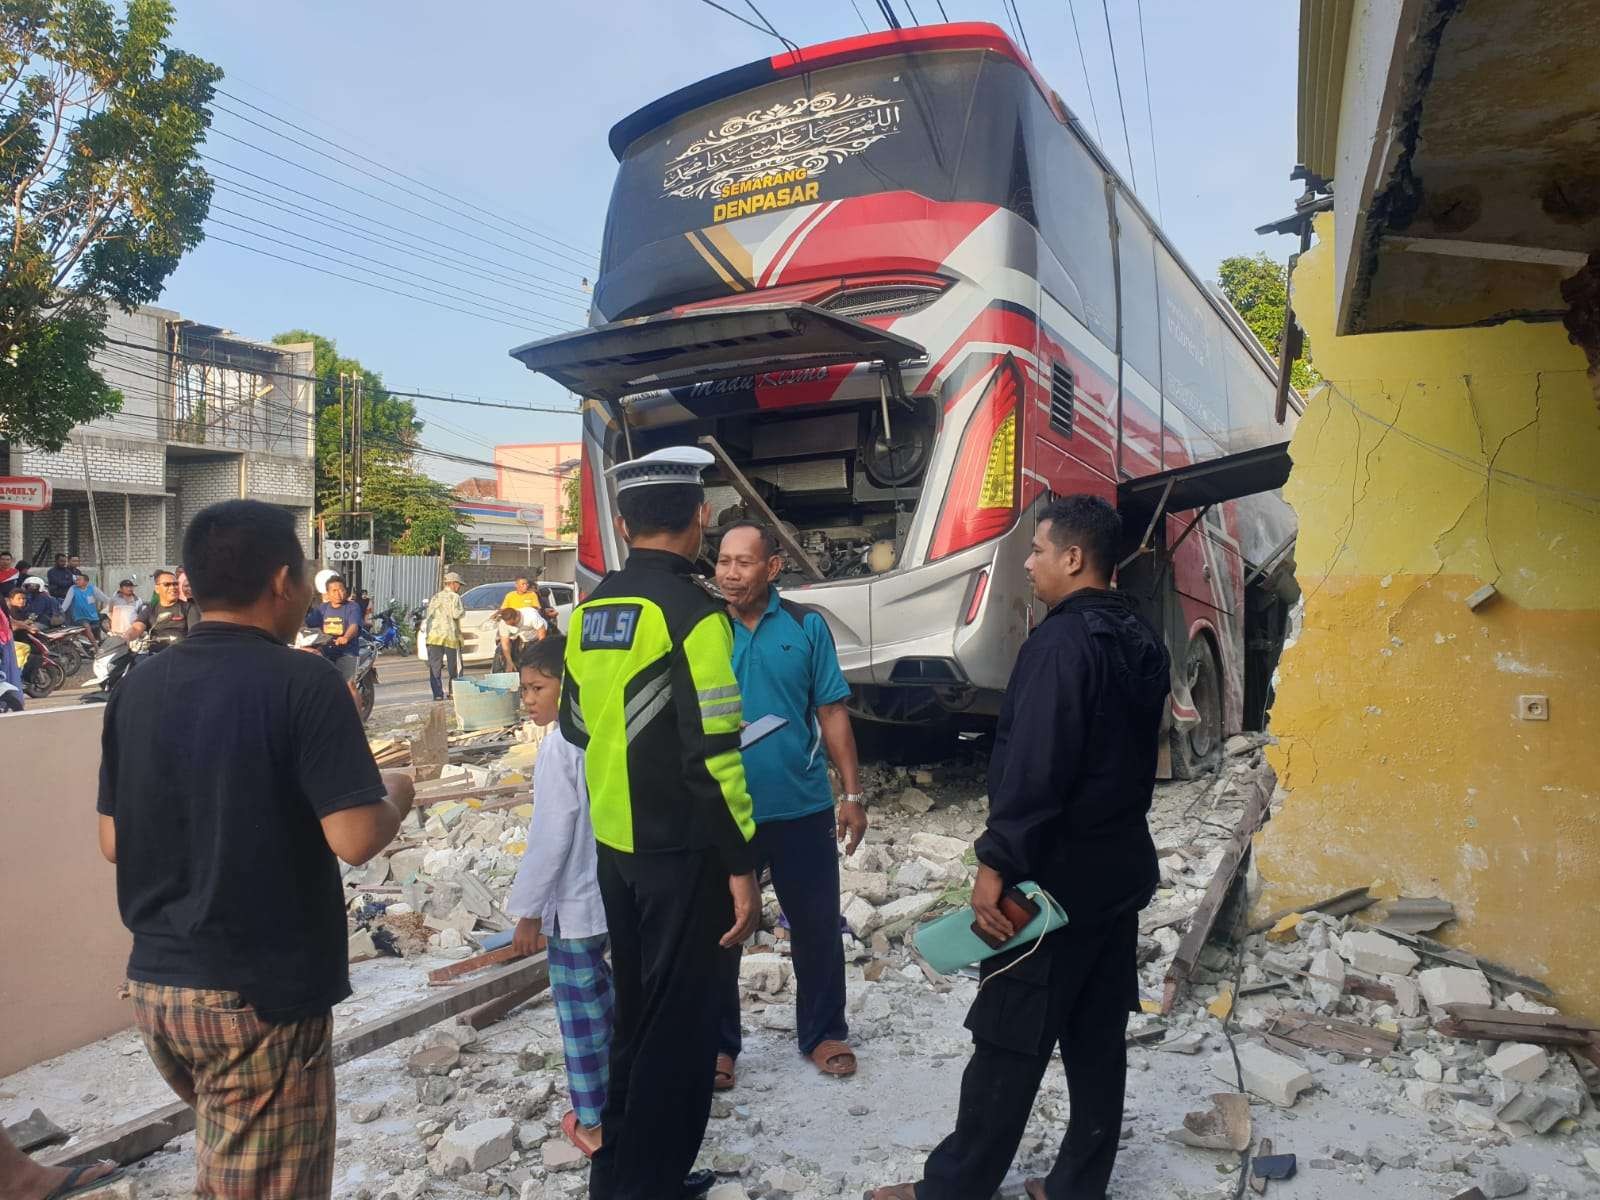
(1258, 287)
(100, 127)
(410, 511)
(571, 505)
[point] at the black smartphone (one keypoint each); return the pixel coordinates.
(1018, 909)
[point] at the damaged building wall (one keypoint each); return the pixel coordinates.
(1435, 463)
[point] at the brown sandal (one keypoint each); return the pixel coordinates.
(895, 1191)
(1034, 1188)
(826, 1054)
(725, 1078)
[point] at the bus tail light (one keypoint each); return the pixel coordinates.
(978, 590)
(981, 502)
(590, 554)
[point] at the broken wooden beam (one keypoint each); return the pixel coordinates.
(1187, 956)
(1330, 1034)
(1506, 1025)
(1342, 904)
(499, 1008)
(476, 963)
(144, 1135)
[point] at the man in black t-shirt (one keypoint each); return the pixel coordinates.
(227, 828)
(169, 619)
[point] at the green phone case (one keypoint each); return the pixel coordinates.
(948, 944)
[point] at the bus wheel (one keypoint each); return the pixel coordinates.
(1198, 749)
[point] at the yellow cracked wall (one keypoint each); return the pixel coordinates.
(1437, 462)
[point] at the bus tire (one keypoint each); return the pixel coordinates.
(1197, 750)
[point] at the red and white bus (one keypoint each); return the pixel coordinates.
(893, 287)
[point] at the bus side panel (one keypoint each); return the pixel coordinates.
(1089, 434)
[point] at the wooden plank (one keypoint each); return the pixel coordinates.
(496, 1010)
(1333, 1034)
(1500, 1031)
(144, 1135)
(476, 963)
(1508, 1016)
(428, 747)
(1205, 916)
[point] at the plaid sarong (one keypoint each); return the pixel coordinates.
(262, 1093)
(580, 982)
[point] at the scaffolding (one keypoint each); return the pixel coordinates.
(231, 393)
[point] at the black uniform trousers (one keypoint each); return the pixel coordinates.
(1074, 992)
(665, 913)
(804, 857)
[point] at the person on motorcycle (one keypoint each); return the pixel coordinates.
(169, 619)
(25, 627)
(82, 605)
(124, 608)
(36, 606)
(340, 618)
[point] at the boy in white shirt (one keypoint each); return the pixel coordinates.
(556, 894)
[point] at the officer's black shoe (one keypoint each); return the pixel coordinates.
(697, 1184)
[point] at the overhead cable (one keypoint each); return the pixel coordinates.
(1150, 113)
(1088, 84)
(1117, 75)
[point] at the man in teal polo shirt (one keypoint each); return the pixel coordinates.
(784, 658)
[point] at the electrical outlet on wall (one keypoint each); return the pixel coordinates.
(1533, 708)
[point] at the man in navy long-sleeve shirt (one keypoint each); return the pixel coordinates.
(1070, 784)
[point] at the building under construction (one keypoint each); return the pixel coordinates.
(206, 415)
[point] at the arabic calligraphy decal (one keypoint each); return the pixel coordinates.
(784, 143)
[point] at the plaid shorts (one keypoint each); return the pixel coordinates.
(580, 982)
(262, 1093)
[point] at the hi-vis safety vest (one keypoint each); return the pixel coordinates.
(651, 699)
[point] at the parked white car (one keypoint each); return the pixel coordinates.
(482, 602)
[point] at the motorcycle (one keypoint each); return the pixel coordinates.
(366, 677)
(112, 662)
(42, 673)
(386, 633)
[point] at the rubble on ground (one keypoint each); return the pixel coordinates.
(1374, 1055)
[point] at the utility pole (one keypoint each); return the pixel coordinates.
(343, 502)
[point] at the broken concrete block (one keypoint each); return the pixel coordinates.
(434, 1060)
(1327, 979)
(871, 886)
(764, 973)
(1592, 1157)
(481, 1145)
(1286, 928)
(361, 946)
(36, 1130)
(1239, 744)
(728, 1191)
(1275, 1078)
(915, 801)
(365, 1114)
(1474, 1116)
(562, 1156)
(1407, 995)
(915, 875)
(1369, 951)
(1428, 1067)
(861, 917)
(1500, 1181)
(434, 1090)
(1422, 1093)
(1519, 1062)
(938, 847)
(899, 915)
(1442, 986)
(1517, 1002)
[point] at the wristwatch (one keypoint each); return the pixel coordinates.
(851, 798)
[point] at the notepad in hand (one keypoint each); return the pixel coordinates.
(759, 728)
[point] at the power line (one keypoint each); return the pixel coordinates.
(360, 191)
(303, 214)
(417, 244)
(1088, 84)
(1127, 144)
(859, 17)
(1021, 28)
(887, 9)
(1006, 8)
(913, 13)
(741, 20)
(589, 255)
(375, 221)
(508, 306)
(1150, 113)
(943, 16)
(771, 28)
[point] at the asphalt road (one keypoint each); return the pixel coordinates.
(401, 680)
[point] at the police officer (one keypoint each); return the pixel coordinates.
(650, 696)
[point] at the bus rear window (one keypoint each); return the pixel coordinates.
(890, 124)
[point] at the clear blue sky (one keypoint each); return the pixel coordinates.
(506, 104)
